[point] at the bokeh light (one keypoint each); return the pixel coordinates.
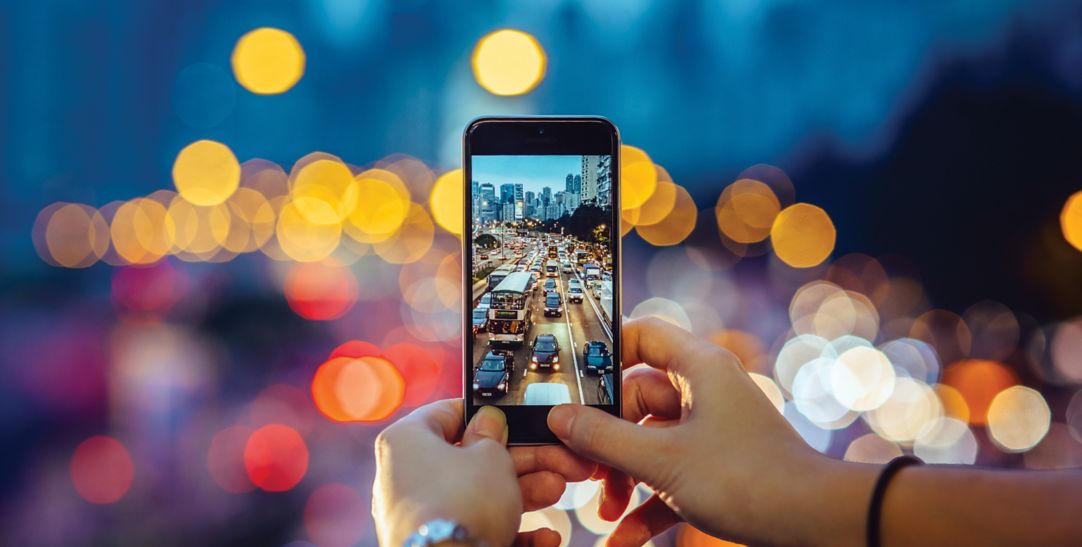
(206, 172)
(101, 470)
(911, 411)
(446, 201)
(1018, 418)
(140, 231)
(225, 459)
(383, 206)
(770, 389)
(979, 381)
(268, 61)
(951, 442)
(412, 240)
(361, 389)
(638, 177)
(303, 240)
(275, 457)
(746, 210)
(72, 235)
(320, 290)
(1066, 350)
(323, 190)
(871, 448)
(508, 62)
(803, 235)
(1070, 220)
(677, 224)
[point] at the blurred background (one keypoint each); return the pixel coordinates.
(229, 249)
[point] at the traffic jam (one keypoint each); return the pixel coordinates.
(541, 322)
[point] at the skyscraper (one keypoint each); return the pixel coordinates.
(507, 193)
(578, 184)
(569, 186)
(604, 181)
(489, 205)
(589, 179)
(546, 195)
(520, 202)
(475, 197)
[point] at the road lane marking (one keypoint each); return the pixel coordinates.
(574, 356)
(601, 319)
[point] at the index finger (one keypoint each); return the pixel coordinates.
(665, 346)
(444, 418)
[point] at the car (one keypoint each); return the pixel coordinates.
(533, 281)
(575, 294)
(493, 374)
(546, 394)
(486, 301)
(553, 304)
(567, 267)
(479, 319)
(546, 352)
(550, 285)
(596, 356)
(482, 256)
(604, 389)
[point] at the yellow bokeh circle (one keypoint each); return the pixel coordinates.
(446, 201)
(324, 191)
(1070, 220)
(411, 241)
(195, 229)
(803, 235)
(678, 224)
(206, 172)
(638, 177)
(303, 240)
(746, 210)
(508, 62)
(383, 203)
(268, 61)
(141, 231)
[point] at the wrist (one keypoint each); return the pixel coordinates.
(825, 503)
(411, 519)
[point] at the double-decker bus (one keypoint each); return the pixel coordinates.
(498, 276)
(509, 316)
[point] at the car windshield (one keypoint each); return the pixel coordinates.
(576, 289)
(552, 299)
(545, 344)
(594, 350)
(478, 315)
(492, 364)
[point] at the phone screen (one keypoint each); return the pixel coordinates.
(542, 243)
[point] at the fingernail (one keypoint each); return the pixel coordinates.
(560, 418)
(489, 422)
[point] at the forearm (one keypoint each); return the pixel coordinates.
(827, 503)
(966, 506)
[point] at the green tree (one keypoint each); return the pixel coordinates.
(486, 241)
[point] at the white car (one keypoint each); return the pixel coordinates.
(546, 394)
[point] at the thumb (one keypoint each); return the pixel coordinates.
(489, 423)
(607, 439)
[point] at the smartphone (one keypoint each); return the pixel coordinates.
(541, 268)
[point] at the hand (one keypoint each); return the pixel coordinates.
(422, 475)
(716, 452)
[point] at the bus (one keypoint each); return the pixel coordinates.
(552, 268)
(509, 316)
(498, 275)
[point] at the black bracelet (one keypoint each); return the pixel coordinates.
(875, 508)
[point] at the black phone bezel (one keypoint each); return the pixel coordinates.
(537, 135)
